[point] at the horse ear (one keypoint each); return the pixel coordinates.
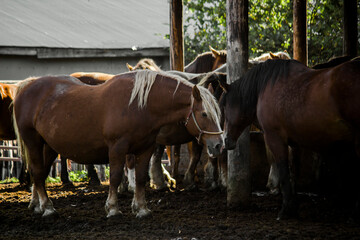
(131, 68)
(273, 56)
(196, 93)
(223, 84)
(214, 52)
(285, 51)
(211, 89)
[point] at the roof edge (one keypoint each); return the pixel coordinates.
(46, 53)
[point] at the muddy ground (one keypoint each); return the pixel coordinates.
(175, 215)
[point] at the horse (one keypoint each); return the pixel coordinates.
(106, 122)
(194, 149)
(7, 92)
(207, 61)
(333, 62)
(145, 63)
(294, 105)
(273, 180)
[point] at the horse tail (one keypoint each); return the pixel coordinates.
(24, 153)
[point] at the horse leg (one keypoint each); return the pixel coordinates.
(211, 173)
(195, 154)
(175, 170)
(41, 158)
(157, 180)
(92, 174)
(130, 165)
(46, 204)
(116, 161)
(64, 175)
(141, 170)
(168, 152)
(281, 169)
(222, 165)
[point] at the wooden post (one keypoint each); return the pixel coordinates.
(300, 40)
(350, 41)
(176, 35)
(239, 187)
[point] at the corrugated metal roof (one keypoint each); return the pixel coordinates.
(84, 23)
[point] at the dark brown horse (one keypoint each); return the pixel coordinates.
(294, 104)
(103, 123)
(207, 62)
(7, 92)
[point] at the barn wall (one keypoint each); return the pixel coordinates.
(21, 67)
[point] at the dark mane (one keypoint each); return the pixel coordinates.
(246, 90)
(333, 62)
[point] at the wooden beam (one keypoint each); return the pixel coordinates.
(176, 35)
(350, 40)
(239, 187)
(300, 31)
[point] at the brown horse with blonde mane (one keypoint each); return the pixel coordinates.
(103, 123)
(294, 105)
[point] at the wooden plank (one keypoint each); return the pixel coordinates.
(176, 35)
(300, 51)
(239, 185)
(9, 147)
(13, 159)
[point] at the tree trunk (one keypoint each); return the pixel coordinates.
(299, 26)
(239, 187)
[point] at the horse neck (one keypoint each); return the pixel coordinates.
(201, 64)
(177, 106)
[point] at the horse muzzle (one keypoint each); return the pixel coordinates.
(215, 148)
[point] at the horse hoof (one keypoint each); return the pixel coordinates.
(50, 214)
(143, 213)
(112, 213)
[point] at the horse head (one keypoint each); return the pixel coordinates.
(203, 121)
(145, 63)
(235, 121)
(220, 58)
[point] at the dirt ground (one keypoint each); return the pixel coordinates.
(175, 215)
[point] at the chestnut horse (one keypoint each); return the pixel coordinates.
(207, 61)
(194, 148)
(106, 122)
(294, 104)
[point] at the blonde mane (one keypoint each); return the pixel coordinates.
(144, 80)
(265, 56)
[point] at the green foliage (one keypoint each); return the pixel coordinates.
(270, 27)
(204, 25)
(9, 180)
(78, 176)
(53, 180)
(107, 172)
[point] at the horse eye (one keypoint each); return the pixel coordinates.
(204, 114)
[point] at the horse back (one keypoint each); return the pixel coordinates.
(92, 78)
(345, 89)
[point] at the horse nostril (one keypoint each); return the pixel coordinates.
(218, 146)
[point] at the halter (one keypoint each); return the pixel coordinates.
(201, 132)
